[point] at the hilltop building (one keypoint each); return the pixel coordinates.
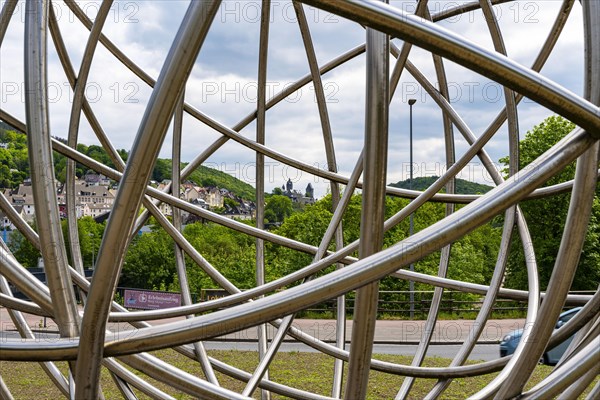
(297, 197)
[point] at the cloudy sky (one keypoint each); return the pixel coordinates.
(224, 81)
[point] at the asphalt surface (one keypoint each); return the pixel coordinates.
(391, 336)
(481, 352)
(386, 331)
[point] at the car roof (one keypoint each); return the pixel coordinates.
(518, 332)
(571, 311)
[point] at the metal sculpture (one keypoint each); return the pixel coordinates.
(85, 341)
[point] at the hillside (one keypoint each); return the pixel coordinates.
(462, 186)
(14, 166)
(204, 176)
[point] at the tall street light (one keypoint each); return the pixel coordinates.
(411, 227)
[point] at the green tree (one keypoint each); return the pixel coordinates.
(14, 164)
(307, 226)
(162, 170)
(546, 217)
(90, 238)
(5, 176)
(23, 250)
(150, 261)
(231, 252)
(472, 258)
(278, 208)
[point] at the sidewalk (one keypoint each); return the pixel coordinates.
(386, 331)
(397, 331)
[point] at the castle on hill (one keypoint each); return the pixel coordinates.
(308, 197)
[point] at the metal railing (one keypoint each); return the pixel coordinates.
(396, 304)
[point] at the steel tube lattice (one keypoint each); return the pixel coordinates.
(390, 34)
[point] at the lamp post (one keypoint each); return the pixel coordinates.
(411, 223)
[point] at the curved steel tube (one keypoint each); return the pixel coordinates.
(42, 173)
(150, 135)
(448, 44)
(249, 308)
(7, 10)
(365, 270)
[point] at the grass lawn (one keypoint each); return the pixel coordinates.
(307, 371)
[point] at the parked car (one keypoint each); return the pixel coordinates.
(510, 342)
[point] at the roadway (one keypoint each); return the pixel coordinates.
(391, 336)
(481, 352)
(484, 352)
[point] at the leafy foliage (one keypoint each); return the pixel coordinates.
(23, 250)
(14, 162)
(231, 252)
(278, 208)
(473, 257)
(90, 236)
(546, 217)
(205, 176)
(93, 151)
(150, 260)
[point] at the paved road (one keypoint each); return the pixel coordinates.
(386, 331)
(395, 331)
(481, 352)
(391, 337)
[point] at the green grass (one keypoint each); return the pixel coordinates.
(306, 371)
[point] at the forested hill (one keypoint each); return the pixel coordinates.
(462, 186)
(205, 176)
(14, 166)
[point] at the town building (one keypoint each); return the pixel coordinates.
(95, 199)
(22, 197)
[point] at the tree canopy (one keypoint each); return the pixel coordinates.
(14, 161)
(278, 208)
(546, 217)
(473, 257)
(150, 261)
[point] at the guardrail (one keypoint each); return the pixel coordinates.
(396, 304)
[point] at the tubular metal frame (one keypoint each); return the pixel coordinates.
(87, 344)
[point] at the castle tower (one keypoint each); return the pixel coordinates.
(310, 191)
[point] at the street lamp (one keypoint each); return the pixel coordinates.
(411, 283)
